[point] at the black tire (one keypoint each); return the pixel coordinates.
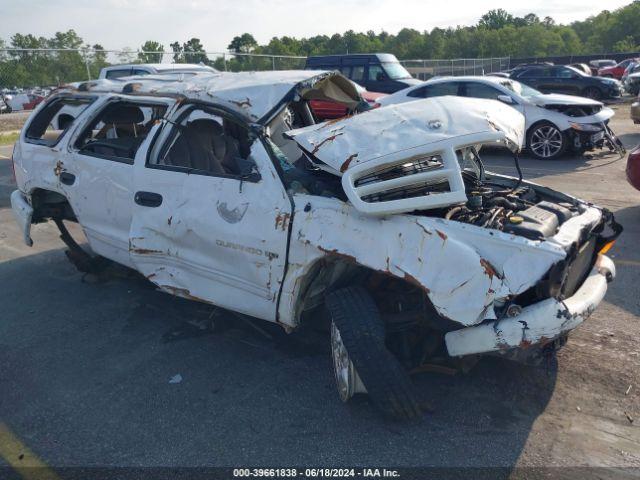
(356, 316)
(593, 93)
(536, 132)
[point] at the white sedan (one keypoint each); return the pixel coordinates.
(555, 123)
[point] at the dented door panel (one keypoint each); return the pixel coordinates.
(214, 239)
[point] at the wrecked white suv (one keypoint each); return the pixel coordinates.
(224, 189)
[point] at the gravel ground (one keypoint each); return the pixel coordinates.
(10, 122)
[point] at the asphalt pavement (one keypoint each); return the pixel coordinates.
(111, 372)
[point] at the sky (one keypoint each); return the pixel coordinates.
(117, 24)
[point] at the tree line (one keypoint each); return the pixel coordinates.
(497, 34)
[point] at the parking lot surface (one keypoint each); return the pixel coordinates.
(110, 372)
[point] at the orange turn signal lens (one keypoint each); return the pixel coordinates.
(607, 247)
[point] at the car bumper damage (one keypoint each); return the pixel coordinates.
(537, 324)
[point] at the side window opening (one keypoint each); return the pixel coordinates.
(208, 143)
(119, 130)
(480, 90)
(357, 74)
(376, 73)
(436, 90)
(54, 119)
(111, 74)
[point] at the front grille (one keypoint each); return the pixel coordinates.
(410, 167)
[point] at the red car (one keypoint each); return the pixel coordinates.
(633, 168)
(617, 70)
(326, 110)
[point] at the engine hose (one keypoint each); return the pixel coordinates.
(516, 159)
(452, 212)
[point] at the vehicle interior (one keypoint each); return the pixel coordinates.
(119, 130)
(44, 131)
(208, 143)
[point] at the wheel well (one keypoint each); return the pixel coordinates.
(540, 122)
(48, 204)
(393, 295)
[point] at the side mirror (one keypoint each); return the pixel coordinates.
(381, 77)
(506, 99)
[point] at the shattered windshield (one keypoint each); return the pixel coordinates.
(395, 71)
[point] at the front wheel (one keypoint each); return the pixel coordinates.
(593, 93)
(361, 361)
(546, 142)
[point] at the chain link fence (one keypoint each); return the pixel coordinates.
(426, 69)
(27, 75)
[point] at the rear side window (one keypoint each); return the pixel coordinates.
(481, 90)
(119, 130)
(376, 73)
(357, 74)
(54, 119)
(536, 73)
(437, 90)
(119, 73)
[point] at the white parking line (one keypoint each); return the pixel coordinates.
(2, 157)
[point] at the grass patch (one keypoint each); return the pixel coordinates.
(9, 138)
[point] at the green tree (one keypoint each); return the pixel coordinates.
(194, 52)
(178, 52)
(496, 19)
(151, 52)
(244, 43)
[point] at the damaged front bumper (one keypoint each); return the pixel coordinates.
(539, 323)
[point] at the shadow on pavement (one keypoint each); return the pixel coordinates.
(117, 373)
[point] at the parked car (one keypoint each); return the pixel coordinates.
(582, 67)
(554, 124)
(596, 65)
(631, 79)
(328, 110)
(4, 108)
(499, 74)
(568, 80)
(616, 71)
(386, 220)
(633, 168)
(377, 72)
(138, 69)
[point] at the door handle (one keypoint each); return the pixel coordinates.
(148, 199)
(67, 178)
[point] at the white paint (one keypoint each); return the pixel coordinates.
(541, 322)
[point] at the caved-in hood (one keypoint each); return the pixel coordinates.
(411, 147)
(412, 128)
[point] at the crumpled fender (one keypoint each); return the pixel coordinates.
(460, 284)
